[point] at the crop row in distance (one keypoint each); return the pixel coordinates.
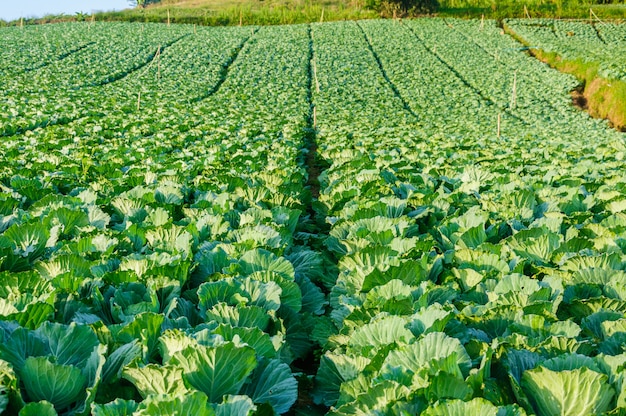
(465, 253)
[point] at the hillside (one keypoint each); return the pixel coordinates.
(264, 12)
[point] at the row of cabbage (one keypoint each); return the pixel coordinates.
(597, 42)
(162, 270)
(477, 274)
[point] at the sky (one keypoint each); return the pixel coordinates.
(14, 9)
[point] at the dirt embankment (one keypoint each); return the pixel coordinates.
(600, 97)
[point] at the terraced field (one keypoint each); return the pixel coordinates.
(603, 42)
(373, 217)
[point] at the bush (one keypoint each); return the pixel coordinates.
(402, 7)
(142, 3)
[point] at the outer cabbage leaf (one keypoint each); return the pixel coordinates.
(377, 400)
(381, 332)
(476, 406)
(263, 260)
(447, 386)
(333, 371)
(112, 370)
(58, 363)
(154, 379)
(42, 408)
(235, 406)
(146, 328)
(9, 385)
(435, 345)
(61, 385)
(118, 407)
(239, 291)
(273, 383)
(430, 319)
(254, 337)
(216, 371)
(195, 403)
(571, 392)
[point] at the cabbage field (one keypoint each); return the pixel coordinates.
(378, 217)
(602, 42)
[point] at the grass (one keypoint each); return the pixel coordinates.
(245, 12)
(229, 12)
(534, 8)
(269, 12)
(601, 97)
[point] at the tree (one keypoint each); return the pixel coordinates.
(402, 7)
(142, 3)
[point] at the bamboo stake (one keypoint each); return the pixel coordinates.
(526, 12)
(314, 117)
(240, 17)
(158, 56)
(22, 22)
(139, 101)
(194, 29)
(498, 125)
(482, 22)
(168, 17)
(514, 91)
(595, 15)
(322, 16)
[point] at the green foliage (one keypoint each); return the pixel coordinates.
(500, 284)
(169, 288)
(143, 3)
(390, 8)
(160, 252)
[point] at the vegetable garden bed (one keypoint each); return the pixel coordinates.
(164, 249)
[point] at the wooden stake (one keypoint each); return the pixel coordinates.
(158, 56)
(240, 17)
(21, 22)
(168, 17)
(498, 125)
(317, 83)
(322, 16)
(595, 15)
(514, 91)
